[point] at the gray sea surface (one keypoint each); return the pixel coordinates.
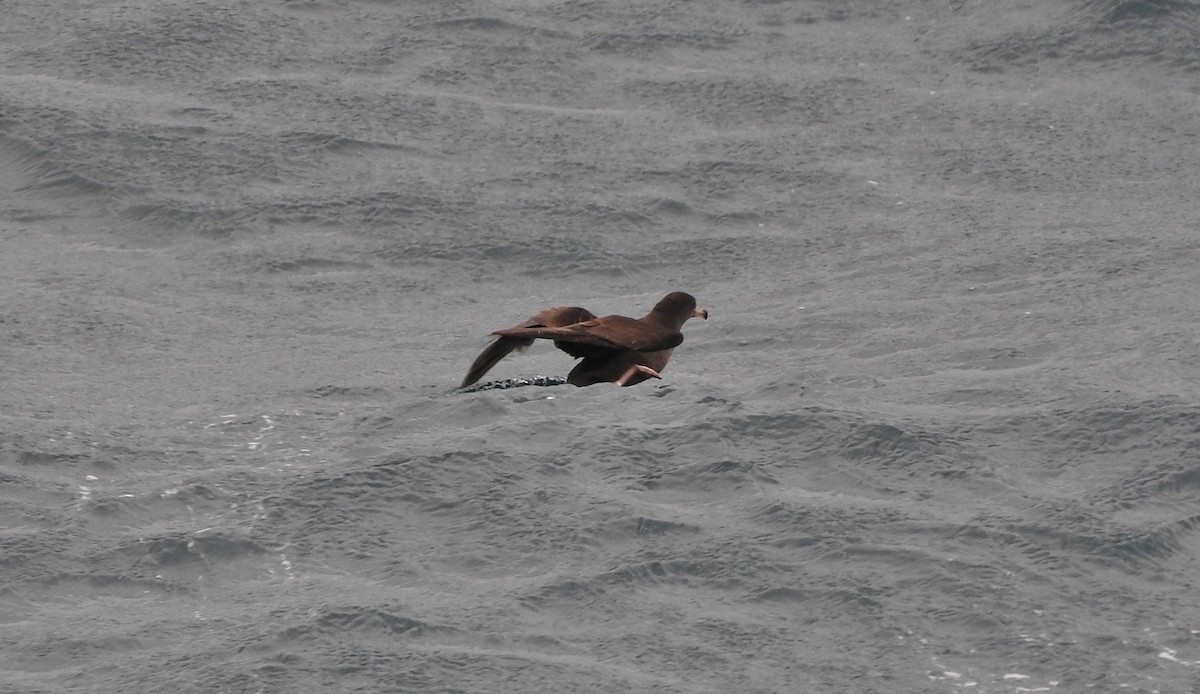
(941, 432)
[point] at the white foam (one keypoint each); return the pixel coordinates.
(1169, 654)
(287, 566)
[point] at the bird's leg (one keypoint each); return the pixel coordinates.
(635, 369)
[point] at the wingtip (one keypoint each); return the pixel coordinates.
(491, 355)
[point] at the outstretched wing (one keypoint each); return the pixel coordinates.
(610, 332)
(503, 345)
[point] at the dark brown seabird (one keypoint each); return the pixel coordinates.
(614, 349)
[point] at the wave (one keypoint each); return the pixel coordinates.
(1157, 32)
(29, 169)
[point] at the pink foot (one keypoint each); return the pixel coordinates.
(636, 368)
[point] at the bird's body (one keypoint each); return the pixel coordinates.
(612, 349)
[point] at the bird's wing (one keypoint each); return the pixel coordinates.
(502, 346)
(610, 332)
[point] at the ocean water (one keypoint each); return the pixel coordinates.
(939, 434)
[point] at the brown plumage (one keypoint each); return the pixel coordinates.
(613, 349)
